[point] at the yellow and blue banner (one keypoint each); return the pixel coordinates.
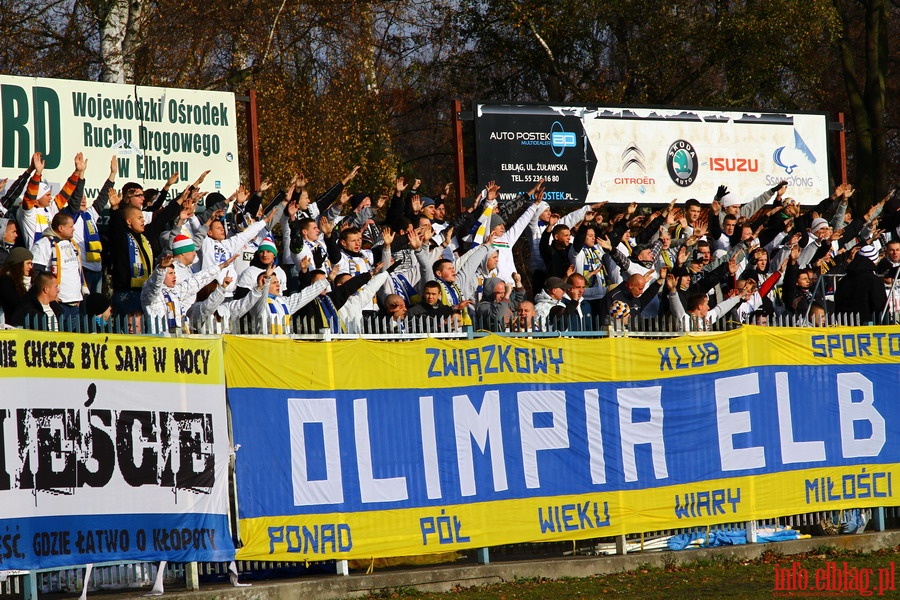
(112, 448)
(363, 449)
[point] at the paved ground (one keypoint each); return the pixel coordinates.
(445, 578)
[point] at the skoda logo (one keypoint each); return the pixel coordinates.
(681, 161)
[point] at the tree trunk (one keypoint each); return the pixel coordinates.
(867, 104)
(120, 35)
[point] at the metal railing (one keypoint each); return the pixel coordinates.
(125, 575)
(377, 327)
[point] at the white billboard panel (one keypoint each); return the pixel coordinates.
(153, 132)
(664, 154)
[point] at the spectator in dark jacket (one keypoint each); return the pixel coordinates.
(15, 277)
(861, 291)
(40, 308)
(8, 235)
(131, 255)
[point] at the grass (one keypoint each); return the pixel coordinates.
(726, 578)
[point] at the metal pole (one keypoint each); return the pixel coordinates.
(455, 109)
(888, 304)
(252, 141)
(842, 137)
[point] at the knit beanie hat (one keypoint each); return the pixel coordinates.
(268, 245)
(43, 188)
(870, 252)
(356, 200)
(730, 199)
(817, 224)
(215, 200)
(18, 255)
(182, 244)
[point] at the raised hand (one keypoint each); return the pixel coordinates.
(114, 198)
(80, 163)
(199, 179)
(492, 189)
(604, 243)
(670, 282)
(537, 187)
(415, 239)
(325, 226)
(349, 177)
(37, 163)
(388, 235)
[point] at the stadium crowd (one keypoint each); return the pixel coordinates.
(287, 261)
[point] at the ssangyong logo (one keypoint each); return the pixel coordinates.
(681, 162)
(779, 159)
(560, 139)
(790, 158)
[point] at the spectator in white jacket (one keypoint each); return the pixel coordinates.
(163, 296)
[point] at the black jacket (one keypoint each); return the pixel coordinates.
(119, 255)
(31, 311)
(861, 291)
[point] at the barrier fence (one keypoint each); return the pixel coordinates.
(116, 447)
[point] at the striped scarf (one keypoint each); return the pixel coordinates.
(174, 313)
(357, 264)
(139, 259)
(92, 246)
(480, 228)
(404, 289)
(56, 260)
(479, 289)
(330, 314)
(667, 258)
(42, 220)
(592, 261)
(451, 296)
(278, 312)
